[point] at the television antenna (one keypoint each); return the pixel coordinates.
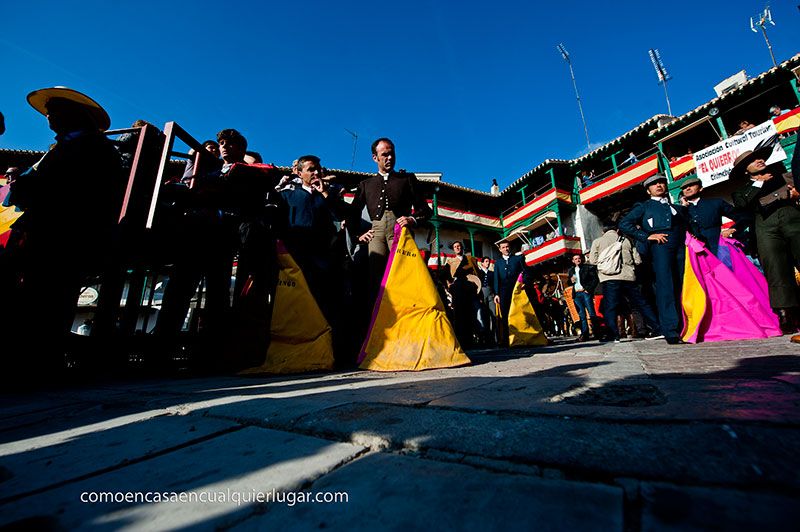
(661, 72)
(355, 143)
(565, 55)
(761, 20)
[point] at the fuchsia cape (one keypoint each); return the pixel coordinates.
(722, 303)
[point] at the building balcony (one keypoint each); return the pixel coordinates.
(535, 206)
(621, 180)
(561, 245)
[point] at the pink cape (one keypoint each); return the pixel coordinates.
(736, 304)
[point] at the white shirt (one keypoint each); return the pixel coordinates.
(666, 201)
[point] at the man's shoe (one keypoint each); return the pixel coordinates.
(672, 340)
(654, 336)
(786, 319)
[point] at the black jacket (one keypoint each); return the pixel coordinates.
(588, 275)
(403, 191)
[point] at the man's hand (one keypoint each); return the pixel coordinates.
(684, 201)
(661, 238)
(366, 237)
(406, 220)
(793, 193)
(320, 186)
(727, 233)
(762, 177)
(496, 300)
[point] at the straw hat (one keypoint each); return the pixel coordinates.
(39, 98)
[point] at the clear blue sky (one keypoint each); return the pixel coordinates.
(475, 90)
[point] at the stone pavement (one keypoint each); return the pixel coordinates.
(631, 436)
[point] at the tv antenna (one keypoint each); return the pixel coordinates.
(761, 20)
(565, 55)
(661, 72)
(355, 143)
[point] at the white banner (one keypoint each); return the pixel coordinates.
(714, 164)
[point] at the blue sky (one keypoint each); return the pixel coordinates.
(475, 90)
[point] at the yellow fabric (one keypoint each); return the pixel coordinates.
(410, 331)
(300, 335)
(523, 325)
(8, 216)
(693, 300)
(787, 123)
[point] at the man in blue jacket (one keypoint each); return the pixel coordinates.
(705, 214)
(506, 271)
(659, 229)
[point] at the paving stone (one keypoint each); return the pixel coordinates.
(690, 452)
(391, 492)
(37, 463)
(235, 466)
(677, 508)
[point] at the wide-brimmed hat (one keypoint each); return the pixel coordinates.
(39, 98)
(747, 157)
(654, 179)
(691, 181)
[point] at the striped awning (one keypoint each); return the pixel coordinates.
(621, 180)
(553, 248)
(536, 205)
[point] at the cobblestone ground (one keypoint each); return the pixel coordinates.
(630, 436)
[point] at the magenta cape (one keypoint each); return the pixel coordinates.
(721, 303)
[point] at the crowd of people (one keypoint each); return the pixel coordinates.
(230, 207)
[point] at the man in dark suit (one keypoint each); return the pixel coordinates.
(506, 271)
(772, 196)
(659, 229)
(311, 231)
(584, 280)
(389, 198)
(705, 214)
(486, 315)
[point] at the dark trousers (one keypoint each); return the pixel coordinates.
(667, 262)
(505, 306)
(778, 239)
(614, 292)
(584, 305)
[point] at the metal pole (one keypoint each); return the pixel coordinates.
(769, 45)
(669, 107)
(580, 107)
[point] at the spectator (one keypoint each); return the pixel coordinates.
(464, 288)
(253, 157)
(631, 159)
(772, 197)
(744, 125)
(495, 190)
(775, 111)
(486, 316)
(659, 229)
(583, 278)
(621, 286)
(211, 147)
(51, 270)
(11, 175)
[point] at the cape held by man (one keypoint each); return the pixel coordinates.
(301, 337)
(409, 328)
(523, 324)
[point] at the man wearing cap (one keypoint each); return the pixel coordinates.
(705, 214)
(659, 229)
(71, 201)
(389, 198)
(771, 195)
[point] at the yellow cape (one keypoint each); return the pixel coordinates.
(410, 330)
(523, 325)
